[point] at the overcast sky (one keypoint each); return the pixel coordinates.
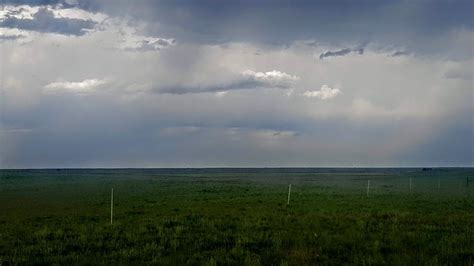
(147, 83)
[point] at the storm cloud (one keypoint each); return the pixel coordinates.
(91, 83)
(342, 52)
(247, 80)
(45, 21)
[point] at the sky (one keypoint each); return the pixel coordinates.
(97, 83)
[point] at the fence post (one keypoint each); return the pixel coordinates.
(289, 193)
(112, 206)
(368, 187)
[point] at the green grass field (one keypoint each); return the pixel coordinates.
(237, 217)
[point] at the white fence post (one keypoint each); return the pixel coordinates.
(289, 193)
(112, 207)
(368, 187)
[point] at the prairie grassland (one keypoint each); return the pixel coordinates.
(237, 217)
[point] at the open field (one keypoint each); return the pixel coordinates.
(237, 216)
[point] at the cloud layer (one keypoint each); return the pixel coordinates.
(179, 84)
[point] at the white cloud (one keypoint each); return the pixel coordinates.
(24, 23)
(87, 86)
(134, 41)
(50, 19)
(28, 12)
(289, 92)
(75, 22)
(364, 108)
(20, 36)
(324, 93)
(18, 12)
(221, 94)
(142, 43)
(76, 13)
(274, 77)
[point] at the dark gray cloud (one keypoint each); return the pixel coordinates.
(342, 52)
(414, 24)
(44, 21)
(10, 37)
(64, 3)
(359, 50)
(274, 22)
(248, 80)
(399, 53)
(239, 85)
(335, 53)
(32, 2)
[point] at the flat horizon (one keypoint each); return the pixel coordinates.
(239, 167)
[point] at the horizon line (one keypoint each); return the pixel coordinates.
(239, 167)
